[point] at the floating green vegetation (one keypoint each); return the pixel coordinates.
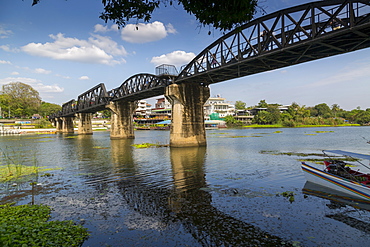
(71, 137)
(278, 131)
(287, 194)
(38, 137)
(322, 131)
(12, 172)
(149, 145)
(315, 160)
(310, 134)
(28, 225)
(290, 153)
(100, 147)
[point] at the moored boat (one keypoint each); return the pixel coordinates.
(339, 176)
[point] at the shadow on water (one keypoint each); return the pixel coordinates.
(186, 204)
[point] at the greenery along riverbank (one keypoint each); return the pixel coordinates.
(301, 116)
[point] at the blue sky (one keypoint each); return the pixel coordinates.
(62, 48)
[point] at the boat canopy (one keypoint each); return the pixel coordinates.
(345, 153)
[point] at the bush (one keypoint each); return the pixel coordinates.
(42, 123)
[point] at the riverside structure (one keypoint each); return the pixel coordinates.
(291, 36)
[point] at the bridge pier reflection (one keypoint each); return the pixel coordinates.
(187, 100)
(122, 124)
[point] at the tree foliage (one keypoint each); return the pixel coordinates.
(222, 14)
(47, 109)
(240, 105)
(22, 98)
(18, 99)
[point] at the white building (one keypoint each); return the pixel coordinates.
(218, 105)
(143, 108)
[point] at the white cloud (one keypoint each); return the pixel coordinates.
(5, 62)
(170, 28)
(84, 77)
(4, 33)
(36, 84)
(144, 33)
(176, 58)
(8, 49)
(97, 49)
(41, 71)
(98, 28)
(14, 73)
(63, 76)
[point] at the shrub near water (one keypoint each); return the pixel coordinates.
(27, 225)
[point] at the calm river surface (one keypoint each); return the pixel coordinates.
(226, 194)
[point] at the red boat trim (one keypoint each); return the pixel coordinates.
(367, 196)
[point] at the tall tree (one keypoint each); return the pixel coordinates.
(323, 110)
(240, 105)
(335, 108)
(23, 99)
(262, 104)
(222, 14)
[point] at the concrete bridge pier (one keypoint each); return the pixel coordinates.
(84, 123)
(122, 124)
(58, 123)
(67, 125)
(187, 128)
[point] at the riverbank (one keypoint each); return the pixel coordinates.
(299, 126)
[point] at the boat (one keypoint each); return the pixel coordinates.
(338, 175)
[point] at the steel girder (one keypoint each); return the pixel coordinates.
(68, 109)
(284, 38)
(93, 100)
(141, 86)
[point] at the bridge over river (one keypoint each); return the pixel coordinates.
(291, 36)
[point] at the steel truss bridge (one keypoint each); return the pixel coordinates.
(291, 36)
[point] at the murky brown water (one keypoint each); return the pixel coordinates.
(221, 195)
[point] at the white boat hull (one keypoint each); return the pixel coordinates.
(322, 178)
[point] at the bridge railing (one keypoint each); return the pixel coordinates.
(277, 31)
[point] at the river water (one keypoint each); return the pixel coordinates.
(226, 194)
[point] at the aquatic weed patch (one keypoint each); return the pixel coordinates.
(315, 160)
(28, 225)
(100, 147)
(149, 145)
(290, 153)
(12, 172)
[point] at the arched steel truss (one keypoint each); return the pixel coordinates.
(284, 38)
(141, 86)
(290, 36)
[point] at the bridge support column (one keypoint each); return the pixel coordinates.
(67, 126)
(58, 124)
(187, 128)
(84, 123)
(122, 124)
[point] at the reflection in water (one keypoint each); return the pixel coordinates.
(189, 204)
(121, 152)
